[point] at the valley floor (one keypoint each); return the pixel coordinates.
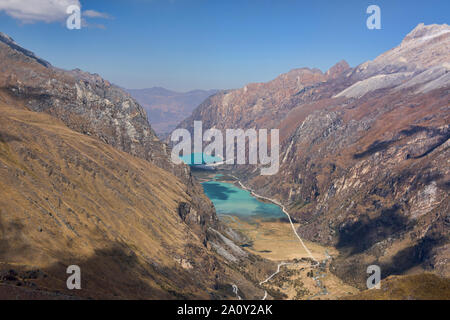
(298, 276)
(274, 240)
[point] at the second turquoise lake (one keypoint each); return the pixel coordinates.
(231, 200)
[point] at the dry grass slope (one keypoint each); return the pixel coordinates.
(71, 199)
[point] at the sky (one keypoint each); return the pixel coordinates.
(210, 44)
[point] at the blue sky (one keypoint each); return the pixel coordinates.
(206, 44)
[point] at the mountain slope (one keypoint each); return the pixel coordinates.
(166, 108)
(364, 153)
(71, 199)
(84, 180)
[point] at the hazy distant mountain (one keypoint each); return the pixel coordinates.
(166, 108)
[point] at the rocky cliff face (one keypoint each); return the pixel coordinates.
(364, 153)
(84, 102)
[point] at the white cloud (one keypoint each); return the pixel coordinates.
(96, 14)
(30, 11)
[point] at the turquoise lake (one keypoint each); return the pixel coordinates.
(199, 158)
(231, 200)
